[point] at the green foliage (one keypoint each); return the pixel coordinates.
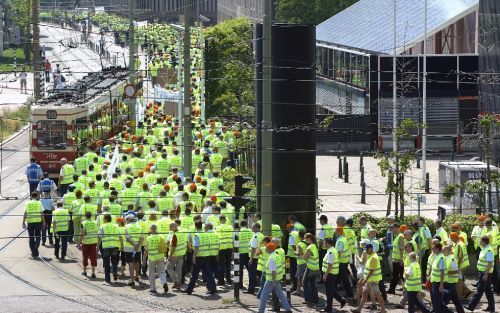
(309, 12)
(450, 191)
(229, 68)
(468, 222)
(7, 60)
(22, 14)
(12, 120)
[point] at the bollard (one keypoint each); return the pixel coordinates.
(363, 193)
(288, 280)
(427, 187)
(345, 162)
(236, 258)
(453, 155)
(361, 163)
(340, 168)
(346, 173)
(418, 162)
(362, 175)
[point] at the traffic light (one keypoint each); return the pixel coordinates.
(239, 199)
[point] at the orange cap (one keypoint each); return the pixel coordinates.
(166, 187)
(454, 235)
(198, 179)
(481, 218)
(271, 246)
(289, 226)
(403, 227)
(148, 168)
(454, 226)
(339, 230)
(213, 198)
(192, 186)
(140, 174)
(120, 219)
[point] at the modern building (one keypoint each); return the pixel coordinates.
(355, 51)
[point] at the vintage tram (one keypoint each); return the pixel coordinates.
(77, 117)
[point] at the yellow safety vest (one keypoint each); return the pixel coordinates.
(110, 237)
(450, 278)
(336, 264)
(181, 246)
(61, 217)
(156, 249)
(413, 282)
(435, 271)
(313, 260)
(377, 270)
(482, 264)
(33, 212)
(69, 171)
(90, 228)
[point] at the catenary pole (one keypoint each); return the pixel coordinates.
(187, 90)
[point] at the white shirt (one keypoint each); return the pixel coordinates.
(196, 241)
(330, 258)
(291, 240)
(207, 211)
(24, 75)
(321, 234)
(254, 242)
(272, 263)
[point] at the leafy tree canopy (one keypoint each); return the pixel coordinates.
(309, 12)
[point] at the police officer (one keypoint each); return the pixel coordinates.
(46, 184)
(33, 217)
(33, 173)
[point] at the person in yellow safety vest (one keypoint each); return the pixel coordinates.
(88, 244)
(330, 274)
(197, 158)
(111, 241)
(476, 234)
(60, 222)
(273, 277)
(68, 199)
(65, 176)
(413, 284)
(263, 257)
(87, 206)
(81, 163)
(292, 219)
(451, 279)
(312, 273)
(326, 231)
(215, 182)
(133, 240)
(33, 217)
(163, 166)
(408, 238)
(293, 240)
(154, 249)
(245, 235)
(344, 257)
(397, 256)
(457, 228)
(365, 227)
(225, 234)
(443, 235)
(214, 247)
(408, 248)
(216, 160)
(485, 268)
(201, 244)
(438, 278)
(92, 192)
(128, 195)
(175, 159)
(491, 230)
(370, 282)
(462, 257)
(177, 245)
(254, 246)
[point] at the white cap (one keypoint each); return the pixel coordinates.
(392, 217)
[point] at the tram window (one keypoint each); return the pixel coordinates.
(51, 134)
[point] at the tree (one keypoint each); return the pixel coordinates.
(22, 19)
(309, 12)
(230, 68)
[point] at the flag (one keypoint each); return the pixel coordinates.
(114, 163)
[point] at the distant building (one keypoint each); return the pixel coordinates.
(163, 10)
(228, 9)
(354, 66)
(489, 55)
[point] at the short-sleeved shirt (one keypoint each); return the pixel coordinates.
(339, 245)
(196, 241)
(291, 241)
(272, 263)
(47, 204)
(376, 245)
(489, 256)
(321, 234)
(330, 258)
(454, 265)
(441, 264)
(254, 243)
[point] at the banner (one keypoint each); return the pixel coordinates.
(162, 95)
(114, 163)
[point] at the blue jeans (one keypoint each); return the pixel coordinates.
(262, 282)
(109, 255)
(482, 288)
(266, 291)
(202, 264)
(310, 288)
